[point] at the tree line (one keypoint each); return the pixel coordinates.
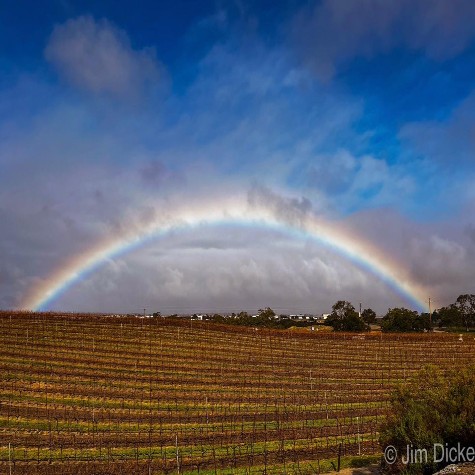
(458, 315)
(266, 317)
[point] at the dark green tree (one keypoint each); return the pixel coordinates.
(244, 318)
(341, 309)
(266, 312)
(368, 315)
(449, 316)
(466, 306)
(265, 317)
(345, 318)
(216, 318)
(423, 323)
(404, 320)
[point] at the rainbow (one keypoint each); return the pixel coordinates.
(233, 211)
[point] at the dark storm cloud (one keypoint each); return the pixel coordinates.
(438, 254)
(249, 270)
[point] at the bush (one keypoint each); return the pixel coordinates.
(433, 408)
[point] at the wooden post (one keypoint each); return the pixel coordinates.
(359, 436)
(10, 450)
(177, 456)
(339, 457)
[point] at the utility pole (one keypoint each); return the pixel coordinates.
(430, 312)
(144, 312)
(360, 309)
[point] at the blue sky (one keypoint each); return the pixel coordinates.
(364, 108)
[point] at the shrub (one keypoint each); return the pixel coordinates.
(433, 408)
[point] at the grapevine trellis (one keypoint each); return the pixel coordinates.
(91, 394)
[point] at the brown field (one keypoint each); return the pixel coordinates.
(100, 395)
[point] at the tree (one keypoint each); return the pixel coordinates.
(244, 318)
(341, 309)
(423, 323)
(399, 320)
(353, 323)
(217, 318)
(368, 315)
(449, 316)
(265, 317)
(466, 306)
(266, 313)
(404, 320)
(345, 318)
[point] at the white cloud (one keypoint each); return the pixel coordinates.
(354, 181)
(96, 56)
(379, 182)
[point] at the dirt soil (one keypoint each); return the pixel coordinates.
(369, 470)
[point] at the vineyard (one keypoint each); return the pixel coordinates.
(105, 395)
